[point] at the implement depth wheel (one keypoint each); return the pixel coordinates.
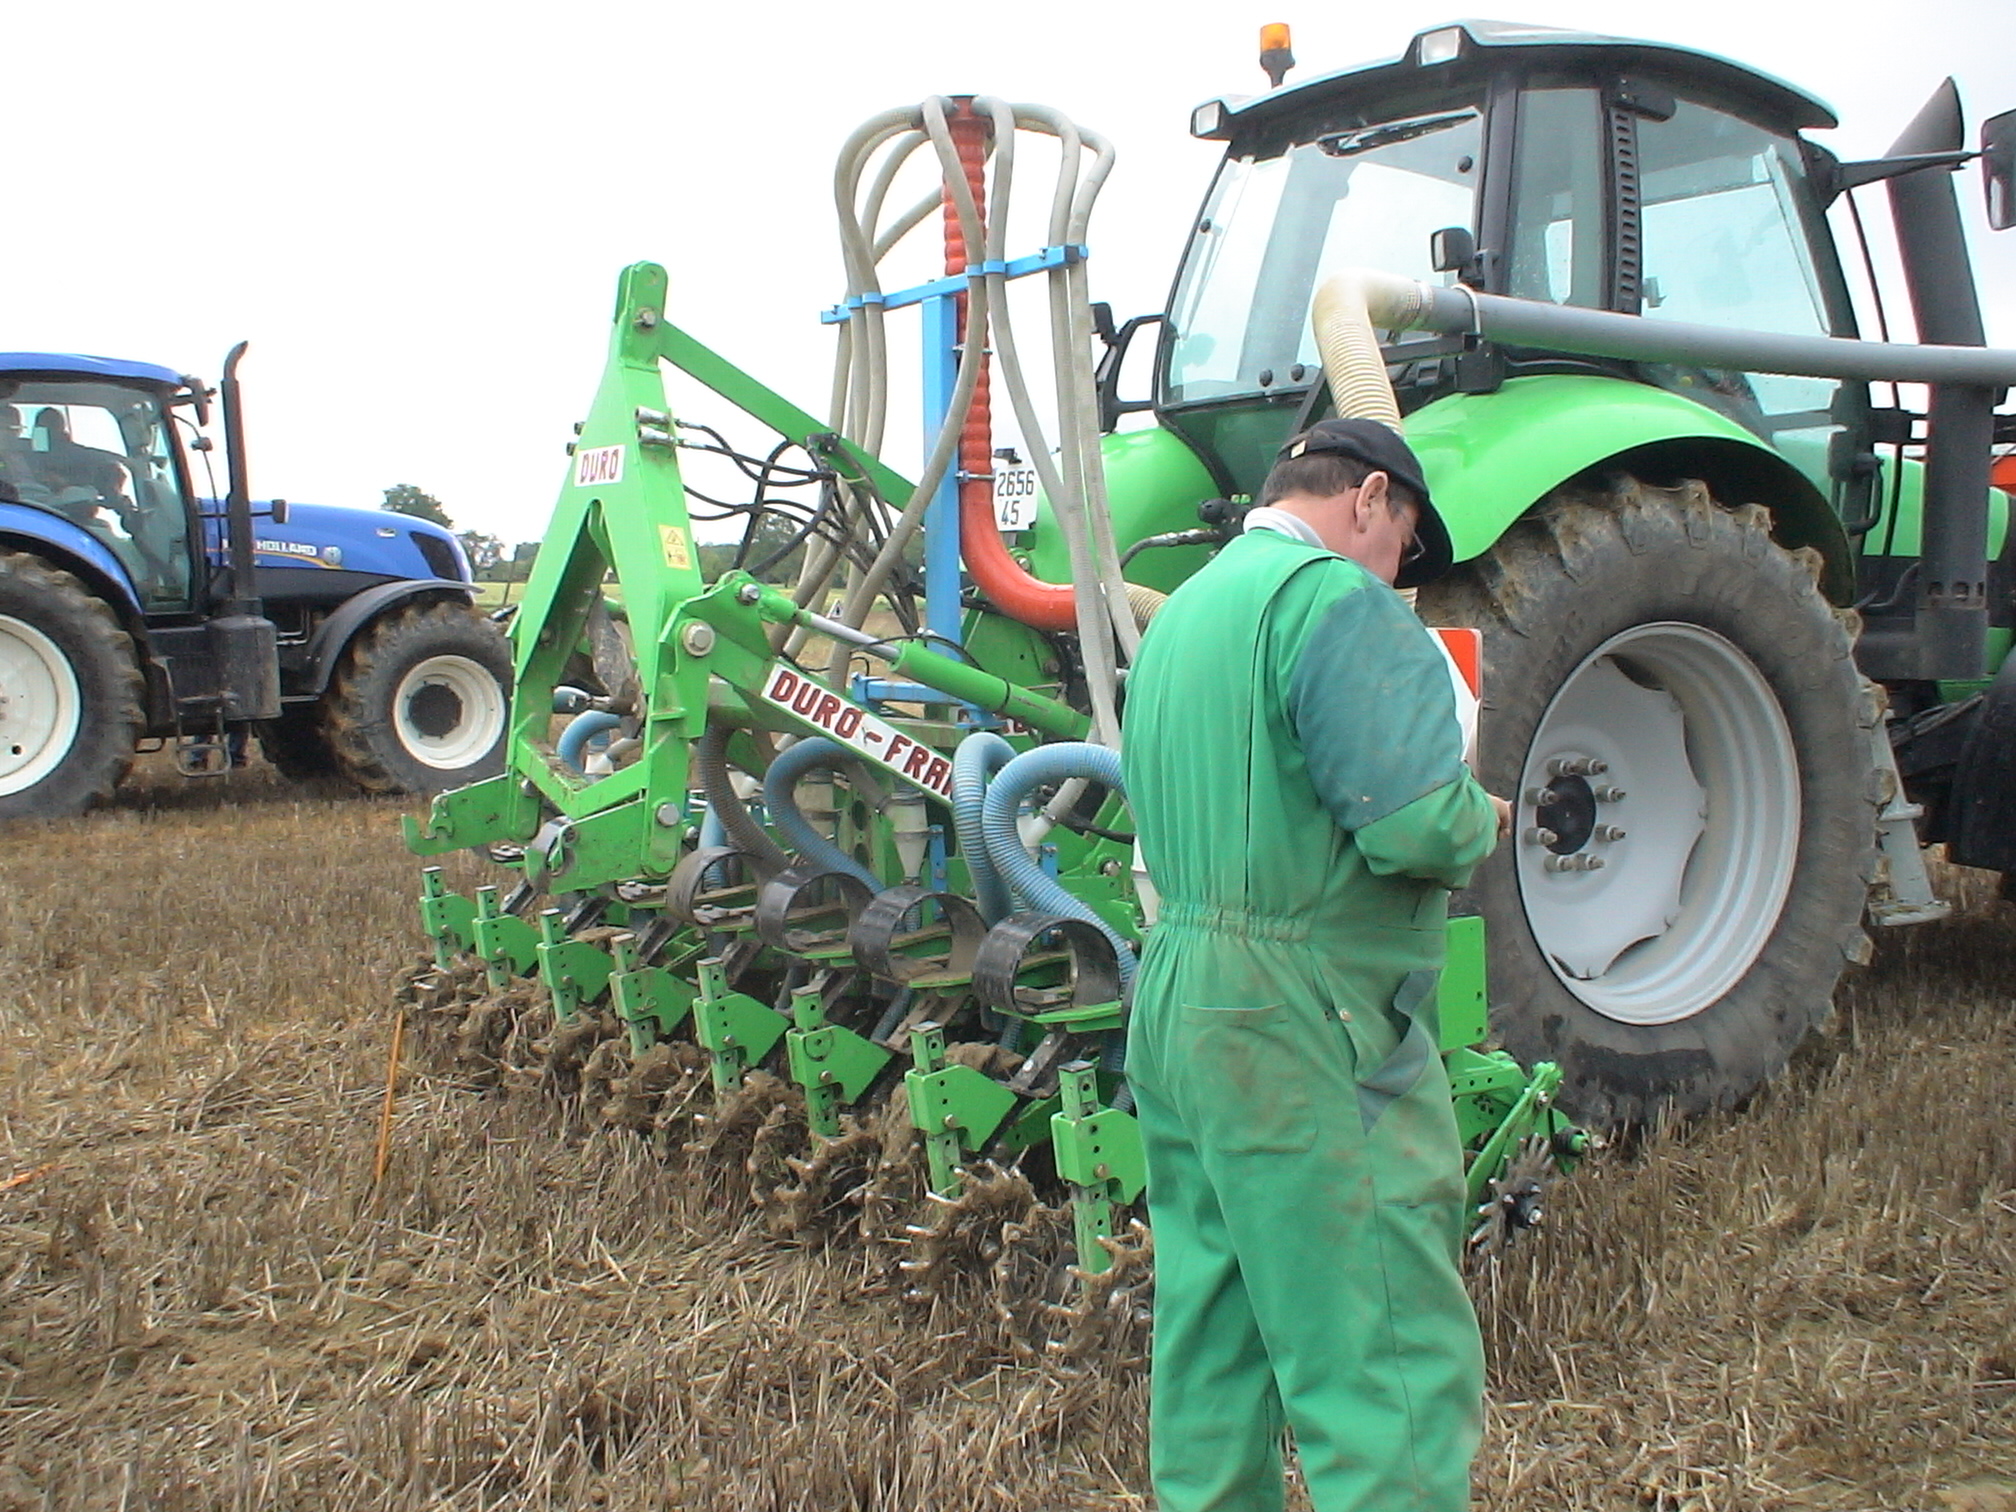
(1675, 712)
(421, 702)
(69, 693)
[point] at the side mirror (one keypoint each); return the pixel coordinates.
(278, 509)
(1998, 168)
(1452, 249)
(1107, 375)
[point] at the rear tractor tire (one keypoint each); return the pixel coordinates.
(1675, 712)
(421, 702)
(69, 693)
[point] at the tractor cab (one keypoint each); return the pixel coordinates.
(90, 441)
(1549, 165)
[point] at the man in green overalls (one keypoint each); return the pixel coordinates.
(1295, 769)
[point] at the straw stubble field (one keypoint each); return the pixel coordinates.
(204, 1301)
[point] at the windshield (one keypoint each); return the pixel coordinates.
(100, 455)
(1273, 228)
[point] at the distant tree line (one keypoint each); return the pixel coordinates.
(489, 557)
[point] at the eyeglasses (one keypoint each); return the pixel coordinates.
(1413, 551)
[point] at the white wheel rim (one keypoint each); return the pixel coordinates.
(41, 706)
(1669, 734)
(449, 712)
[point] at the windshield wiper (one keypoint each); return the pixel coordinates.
(1369, 138)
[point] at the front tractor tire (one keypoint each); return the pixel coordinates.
(69, 693)
(420, 702)
(1675, 712)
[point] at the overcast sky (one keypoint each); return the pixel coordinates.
(416, 211)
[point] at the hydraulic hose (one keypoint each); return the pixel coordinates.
(979, 756)
(779, 798)
(710, 758)
(582, 728)
(1037, 889)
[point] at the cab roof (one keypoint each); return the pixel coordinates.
(114, 368)
(1494, 44)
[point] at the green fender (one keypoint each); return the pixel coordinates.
(1490, 457)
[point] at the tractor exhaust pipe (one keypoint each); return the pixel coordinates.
(243, 641)
(1951, 616)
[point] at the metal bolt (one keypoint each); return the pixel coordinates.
(1609, 832)
(1577, 766)
(1539, 834)
(669, 815)
(1610, 794)
(748, 593)
(951, 1120)
(1593, 863)
(1539, 795)
(697, 638)
(646, 319)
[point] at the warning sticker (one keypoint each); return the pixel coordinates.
(852, 725)
(598, 466)
(678, 551)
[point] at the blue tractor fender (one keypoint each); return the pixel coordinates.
(74, 549)
(1488, 458)
(325, 646)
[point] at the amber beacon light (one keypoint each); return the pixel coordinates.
(1276, 53)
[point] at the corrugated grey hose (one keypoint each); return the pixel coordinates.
(1037, 888)
(778, 796)
(710, 755)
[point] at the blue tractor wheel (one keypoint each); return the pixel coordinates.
(69, 693)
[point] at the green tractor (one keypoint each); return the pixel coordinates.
(857, 852)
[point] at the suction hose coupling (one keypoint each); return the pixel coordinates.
(1037, 889)
(1348, 306)
(779, 783)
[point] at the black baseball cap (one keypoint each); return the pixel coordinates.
(1379, 446)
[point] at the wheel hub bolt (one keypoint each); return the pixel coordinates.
(1577, 766)
(1575, 863)
(1540, 835)
(1609, 832)
(1609, 794)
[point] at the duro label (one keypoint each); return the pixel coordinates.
(598, 466)
(852, 725)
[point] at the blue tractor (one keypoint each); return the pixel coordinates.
(135, 612)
